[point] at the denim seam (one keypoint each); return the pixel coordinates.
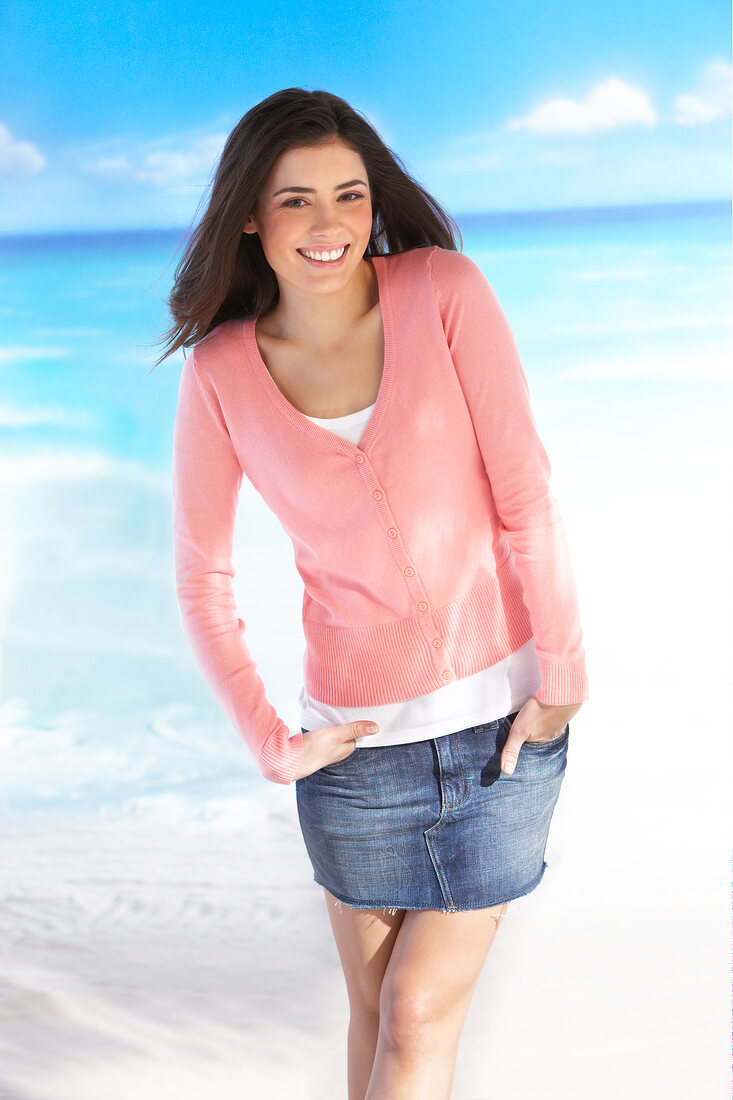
(433, 831)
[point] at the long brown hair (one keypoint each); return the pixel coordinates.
(223, 272)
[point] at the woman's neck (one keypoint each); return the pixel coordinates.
(319, 321)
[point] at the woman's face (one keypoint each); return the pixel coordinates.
(317, 199)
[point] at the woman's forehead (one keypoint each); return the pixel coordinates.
(326, 156)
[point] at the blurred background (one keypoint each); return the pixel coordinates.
(586, 155)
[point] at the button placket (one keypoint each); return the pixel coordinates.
(407, 569)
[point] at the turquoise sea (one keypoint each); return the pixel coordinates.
(623, 322)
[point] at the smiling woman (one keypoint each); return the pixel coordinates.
(343, 348)
(225, 272)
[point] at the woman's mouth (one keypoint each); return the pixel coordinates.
(322, 257)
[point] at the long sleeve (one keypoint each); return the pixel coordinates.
(497, 395)
(206, 479)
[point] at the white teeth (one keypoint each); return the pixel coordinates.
(335, 254)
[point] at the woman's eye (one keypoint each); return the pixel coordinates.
(351, 195)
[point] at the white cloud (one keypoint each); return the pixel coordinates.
(608, 105)
(711, 101)
(12, 416)
(23, 354)
(51, 465)
(161, 163)
(114, 167)
(623, 274)
(713, 365)
(18, 158)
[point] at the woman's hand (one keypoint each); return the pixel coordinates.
(330, 744)
(535, 722)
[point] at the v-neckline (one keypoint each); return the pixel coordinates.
(299, 419)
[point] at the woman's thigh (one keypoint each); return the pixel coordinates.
(425, 958)
(364, 939)
(435, 964)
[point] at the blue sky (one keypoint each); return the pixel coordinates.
(112, 114)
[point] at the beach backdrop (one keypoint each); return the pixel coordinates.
(161, 932)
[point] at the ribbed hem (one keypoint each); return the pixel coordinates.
(391, 662)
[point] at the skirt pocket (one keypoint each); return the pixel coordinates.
(535, 746)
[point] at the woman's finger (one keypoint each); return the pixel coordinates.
(514, 742)
(362, 728)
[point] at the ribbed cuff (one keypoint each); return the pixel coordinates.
(280, 755)
(563, 683)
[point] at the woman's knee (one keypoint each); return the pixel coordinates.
(416, 1022)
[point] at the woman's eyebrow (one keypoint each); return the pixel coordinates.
(311, 190)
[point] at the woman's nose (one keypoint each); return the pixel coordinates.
(324, 220)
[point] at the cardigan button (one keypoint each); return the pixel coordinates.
(360, 458)
(377, 494)
(392, 532)
(409, 571)
(447, 674)
(437, 642)
(422, 606)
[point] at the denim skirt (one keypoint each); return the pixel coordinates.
(433, 824)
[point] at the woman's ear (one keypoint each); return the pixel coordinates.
(250, 225)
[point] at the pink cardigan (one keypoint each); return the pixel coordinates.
(431, 551)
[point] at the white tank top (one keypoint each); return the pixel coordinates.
(492, 693)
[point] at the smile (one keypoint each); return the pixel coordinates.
(317, 256)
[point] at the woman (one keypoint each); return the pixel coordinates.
(359, 371)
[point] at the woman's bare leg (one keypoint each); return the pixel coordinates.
(364, 938)
(408, 1005)
(427, 988)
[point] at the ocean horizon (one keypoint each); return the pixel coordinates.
(689, 207)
